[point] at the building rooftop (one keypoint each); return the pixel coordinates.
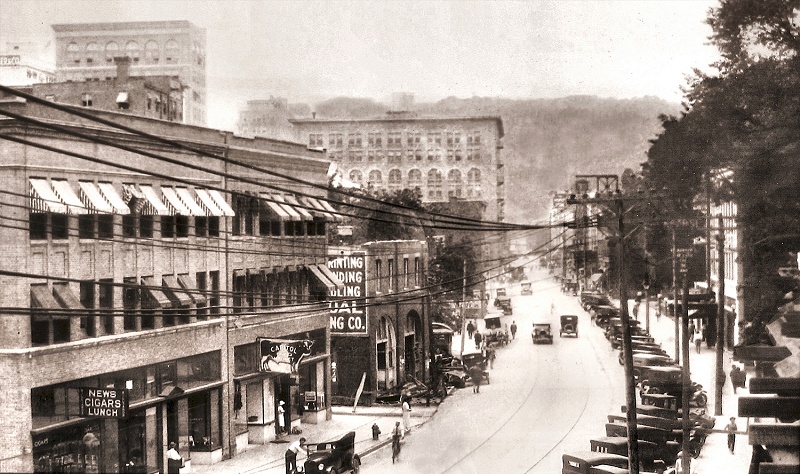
(403, 118)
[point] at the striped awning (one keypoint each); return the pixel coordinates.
(113, 198)
(320, 277)
(153, 204)
(134, 198)
(91, 197)
(293, 214)
(67, 195)
(43, 198)
(276, 208)
(299, 207)
(156, 296)
(331, 276)
(191, 203)
(327, 206)
(208, 203)
(219, 200)
(319, 210)
(174, 203)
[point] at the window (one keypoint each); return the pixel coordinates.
(213, 301)
(91, 53)
(86, 224)
(417, 271)
(395, 177)
(435, 138)
(151, 52)
(335, 140)
(132, 50)
(105, 292)
(415, 177)
(167, 227)
(458, 155)
(375, 139)
(405, 272)
(394, 140)
(131, 303)
(112, 49)
(390, 267)
(354, 140)
(105, 226)
(87, 300)
(171, 52)
(37, 223)
(146, 226)
(182, 226)
(454, 182)
(413, 138)
(375, 178)
(356, 176)
(378, 275)
(315, 140)
(356, 156)
(434, 178)
(73, 54)
(371, 156)
(201, 226)
(213, 226)
(60, 226)
(202, 286)
(86, 100)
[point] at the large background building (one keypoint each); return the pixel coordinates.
(21, 64)
(86, 52)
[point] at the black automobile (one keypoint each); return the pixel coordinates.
(333, 457)
(569, 325)
(541, 333)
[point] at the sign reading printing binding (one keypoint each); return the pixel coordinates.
(348, 304)
(103, 402)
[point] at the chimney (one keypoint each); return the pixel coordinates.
(123, 68)
(313, 115)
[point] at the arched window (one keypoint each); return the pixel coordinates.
(415, 177)
(112, 49)
(151, 52)
(474, 183)
(91, 53)
(474, 176)
(434, 184)
(171, 51)
(133, 51)
(454, 183)
(356, 176)
(73, 54)
(375, 178)
(395, 176)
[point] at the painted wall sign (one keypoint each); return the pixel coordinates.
(282, 355)
(348, 304)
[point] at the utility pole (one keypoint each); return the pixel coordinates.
(675, 298)
(685, 380)
(463, 305)
(720, 375)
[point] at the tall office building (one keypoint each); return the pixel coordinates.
(86, 52)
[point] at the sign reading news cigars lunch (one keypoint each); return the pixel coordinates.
(103, 402)
(347, 305)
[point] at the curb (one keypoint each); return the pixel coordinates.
(388, 441)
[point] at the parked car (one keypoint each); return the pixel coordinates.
(541, 333)
(580, 462)
(334, 457)
(603, 313)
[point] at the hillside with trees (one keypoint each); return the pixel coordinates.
(547, 141)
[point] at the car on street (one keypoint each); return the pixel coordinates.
(569, 325)
(541, 333)
(334, 457)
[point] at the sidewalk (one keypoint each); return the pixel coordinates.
(269, 458)
(715, 456)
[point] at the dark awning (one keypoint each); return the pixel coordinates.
(67, 297)
(175, 291)
(157, 297)
(42, 298)
(190, 286)
(320, 277)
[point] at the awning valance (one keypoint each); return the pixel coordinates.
(111, 195)
(44, 199)
(91, 197)
(178, 295)
(67, 195)
(219, 200)
(186, 197)
(134, 198)
(172, 201)
(208, 203)
(153, 205)
(331, 276)
(318, 210)
(320, 277)
(276, 208)
(66, 297)
(293, 214)
(306, 215)
(191, 288)
(157, 297)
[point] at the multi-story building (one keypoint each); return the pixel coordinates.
(267, 118)
(446, 158)
(140, 287)
(387, 339)
(159, 97)
(86, 52)
(21, 64)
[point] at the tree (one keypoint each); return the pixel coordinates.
(383, 220)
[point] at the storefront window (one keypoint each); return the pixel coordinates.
(198, 370)
(204, 421)
(245, 359)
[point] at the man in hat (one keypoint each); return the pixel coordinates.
(174, 459)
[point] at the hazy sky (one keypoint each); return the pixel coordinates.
(307, 51)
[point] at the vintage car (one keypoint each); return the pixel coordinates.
(472, 359)
(591, 299)
(649, 360)
(541, 333)
(569, 325)
(334, 457)
(603, 313)
(580, 462)
(650, 454)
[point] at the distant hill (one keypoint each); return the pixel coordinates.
(547, 141)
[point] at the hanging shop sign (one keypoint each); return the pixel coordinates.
(282, 355)
(348, 304)
(103, 402)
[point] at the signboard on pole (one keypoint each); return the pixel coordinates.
(348, 305)
(103, 402)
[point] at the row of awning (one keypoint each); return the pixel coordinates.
(176, 291)
(320, 272)
(58, 196)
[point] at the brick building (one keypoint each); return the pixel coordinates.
(126, 276)
(446, 158)
(86, 52)
(380, 322)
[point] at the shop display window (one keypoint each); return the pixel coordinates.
(204, 421)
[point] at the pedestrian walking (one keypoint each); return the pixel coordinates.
(397, 434)
(738, 378)
(476, 374)
(491, 355)
(731, 429)
(291, 455)
(691, 328)
(513, 329)
(470, 329)
(406, 415)
(376, 431)
(174, 459)
(692, 467)
(478, 339)
(698, 340)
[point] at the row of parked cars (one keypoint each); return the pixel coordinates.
(659, 422)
